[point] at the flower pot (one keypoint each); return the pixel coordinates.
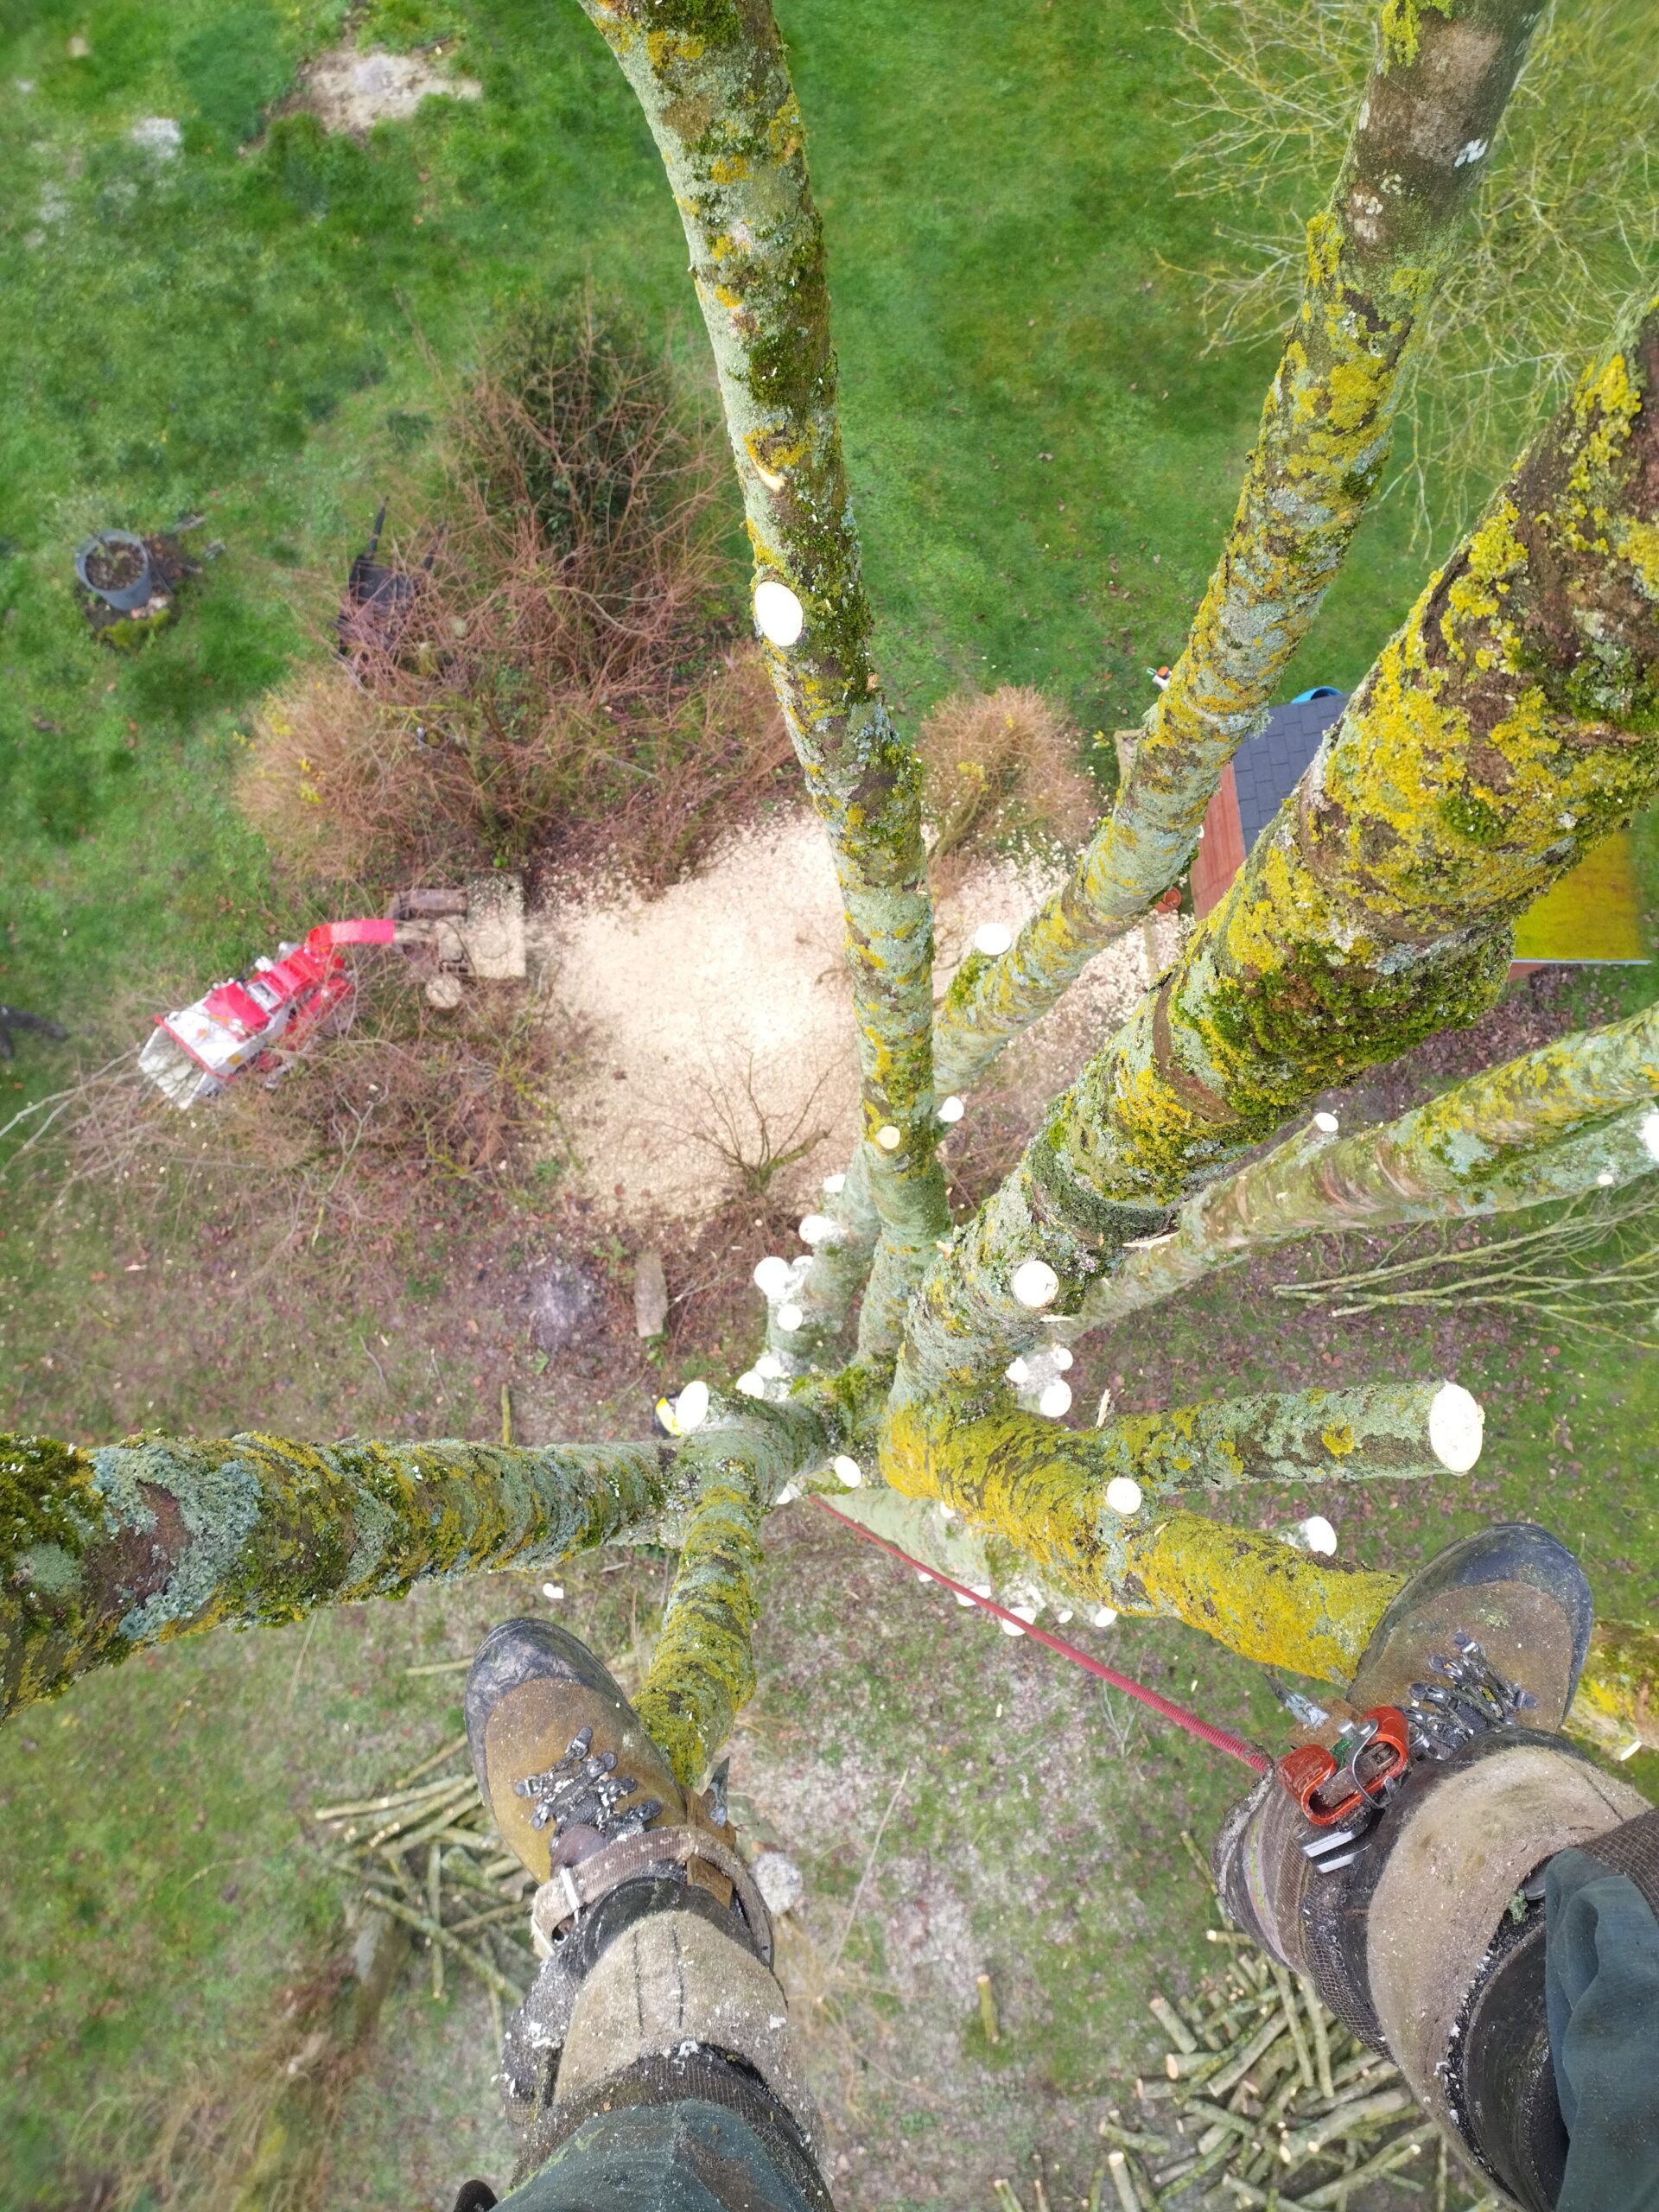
(123, 562)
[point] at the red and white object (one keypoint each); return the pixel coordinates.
(194, 1052)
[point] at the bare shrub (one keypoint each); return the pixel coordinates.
(1000, 770)
(751, 1136)
(1566, 228)
(562, 681)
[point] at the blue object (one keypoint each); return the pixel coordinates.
(1319, 691)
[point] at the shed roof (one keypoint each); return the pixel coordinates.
(1267, 767)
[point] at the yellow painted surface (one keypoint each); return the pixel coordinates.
(1593, 913)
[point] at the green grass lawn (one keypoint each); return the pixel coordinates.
(261, 331)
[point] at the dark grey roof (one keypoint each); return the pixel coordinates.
(1267, 768)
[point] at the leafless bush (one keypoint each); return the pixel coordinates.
(560, 681)
(1000, 770)
(1565, 230)
(754, 1140)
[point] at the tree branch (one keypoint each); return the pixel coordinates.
(1510, 724)
(711, 78)
(107, 1551)
(701, 1673)
(1375, 258)
(1546, 1126)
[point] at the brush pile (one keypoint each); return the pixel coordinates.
(1266, 2102)
(424, 1851)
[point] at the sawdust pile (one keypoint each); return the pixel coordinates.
(726, 1000)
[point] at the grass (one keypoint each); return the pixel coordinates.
(262, 332)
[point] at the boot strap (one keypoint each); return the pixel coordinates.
(706, 1857)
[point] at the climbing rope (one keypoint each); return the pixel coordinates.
(1221, 1740)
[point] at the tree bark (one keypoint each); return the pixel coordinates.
(106, 1551)
(1051, 1491)
(701, 1673)
(1375, 258)
(1547, 1125)
(711, 78)
(1511, 723)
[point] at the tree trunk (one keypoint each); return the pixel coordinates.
(711, 78)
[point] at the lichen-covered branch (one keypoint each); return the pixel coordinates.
(1546, 1126)
(1375, 258)
(712, 80)
(1510, 724)
(702, 1672)
(1265, 1596)
(738, 1459)
(1077, 1504)
(106, 1550)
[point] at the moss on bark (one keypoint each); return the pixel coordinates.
(105, 1551)
(1376, 257)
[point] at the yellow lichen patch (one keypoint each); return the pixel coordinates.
(1339, 1439)
(1257, 1596)
(1639, 544)
(1495, 559)
(785, 133)
(727, 168)
(668, 50)
(1325, 241)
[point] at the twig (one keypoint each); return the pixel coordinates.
(491, 1976)
(434, 1907)
(858, 1894)
(393, 1798)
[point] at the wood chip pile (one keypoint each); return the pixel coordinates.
(425, 1852)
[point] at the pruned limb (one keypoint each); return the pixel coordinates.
(1509, 724)
(701, 1673)
(1546, 1126)
(1375, 258)
(106, 1551)
(825, 1284)
(1617, 1706)
(712, 80)
(1082, 1505)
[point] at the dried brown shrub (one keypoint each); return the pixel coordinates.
(999, 771)
(562, 681)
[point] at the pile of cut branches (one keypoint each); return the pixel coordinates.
(424, 1851)
(1267, 2102)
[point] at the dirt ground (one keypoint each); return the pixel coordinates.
(347, 89)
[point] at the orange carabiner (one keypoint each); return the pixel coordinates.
(1330, 1785)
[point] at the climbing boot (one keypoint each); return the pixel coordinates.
(561, 1758)
(1418, 1914)
(655, 1941)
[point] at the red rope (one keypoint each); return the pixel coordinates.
(1221, 1740)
